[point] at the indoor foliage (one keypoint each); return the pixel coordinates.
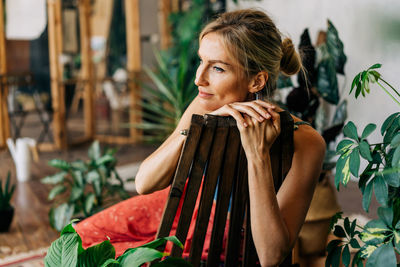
(6, 193)
(67, 250)
(322, 63)
(86, 185)
(381, 237)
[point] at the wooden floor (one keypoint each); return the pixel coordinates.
(30, 229)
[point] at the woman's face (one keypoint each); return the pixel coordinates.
(219, 79)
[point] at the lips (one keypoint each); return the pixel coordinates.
(204, 94)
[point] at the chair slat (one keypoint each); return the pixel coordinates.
(224, 195)
(193, 185)
(240, 192)
(181, 175)
(208, 191)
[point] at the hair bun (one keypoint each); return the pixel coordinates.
(290, 61)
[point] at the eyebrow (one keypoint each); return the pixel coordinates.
(216, 60)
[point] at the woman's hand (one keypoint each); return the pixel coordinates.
(256, 109)
(258, 123)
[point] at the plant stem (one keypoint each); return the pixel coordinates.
(390, 86)
(394, 99)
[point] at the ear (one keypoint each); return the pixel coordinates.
(258, 82)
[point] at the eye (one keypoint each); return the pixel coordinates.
(218, 69)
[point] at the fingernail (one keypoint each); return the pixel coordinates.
(267, 115)
(261, 118)
(245, 124)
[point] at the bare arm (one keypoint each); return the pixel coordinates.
(157, 170)
(275, 234)
(276, 219)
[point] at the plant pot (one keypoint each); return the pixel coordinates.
(6, 219)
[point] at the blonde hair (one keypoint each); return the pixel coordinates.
(251, 37)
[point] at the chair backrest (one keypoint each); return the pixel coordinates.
(213, 157)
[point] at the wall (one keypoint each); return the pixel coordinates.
(370, 31)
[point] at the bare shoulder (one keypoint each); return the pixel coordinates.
(308, 141)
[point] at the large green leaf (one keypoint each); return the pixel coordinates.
(346, 255)
(386, 215)
(96, 255)
(63, 252)
(327, 84)
(396, 157)
(138, 256)
(344, 146)
(382, 256)
(335, 48)
(392, 130)
(342, 171)
(89, 202)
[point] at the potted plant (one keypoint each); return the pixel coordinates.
(6, 210)
(68, 251)
(378, 242)
(82, 187)
(318, 88)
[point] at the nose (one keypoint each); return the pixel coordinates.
(201, 79)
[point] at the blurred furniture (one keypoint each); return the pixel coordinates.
(213, 160)
(22, 104)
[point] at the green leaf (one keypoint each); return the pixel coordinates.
(333, 244)
(367, 194)
(381, 190)
(396, 234)
(355, 162)
(347, 226)
(105, 159)
(59, 189)
(355, 82)
(393, 179)
(160, 241)
(353, 227)
(63, 251)
(327, 84)
(339, 232)
(335, 219)
(97, 255)
(350, 131)
(392, 130)
(346, 255)
(92, 176)
(396, 157)
(386, 215)
(344, 146)
(388, 122)
(365, 152)
(354, 243)
(382, 256)
(76, 193)
(79, 165)
(61, 215)
(94, 151)
(89, 202)
(395, 141)
(54, 179)
(60, 164)
(335, 48)
(368, 130)
(112, 262)
(138, 256)
(375, 66)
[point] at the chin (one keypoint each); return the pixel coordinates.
(208, 104)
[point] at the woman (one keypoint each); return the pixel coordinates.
(241, 54)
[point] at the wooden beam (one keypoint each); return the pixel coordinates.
(4, 119)
(87, 68)
(164, 10)
(134, 63)
(57, 88)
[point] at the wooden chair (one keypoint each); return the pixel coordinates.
(213, 157)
